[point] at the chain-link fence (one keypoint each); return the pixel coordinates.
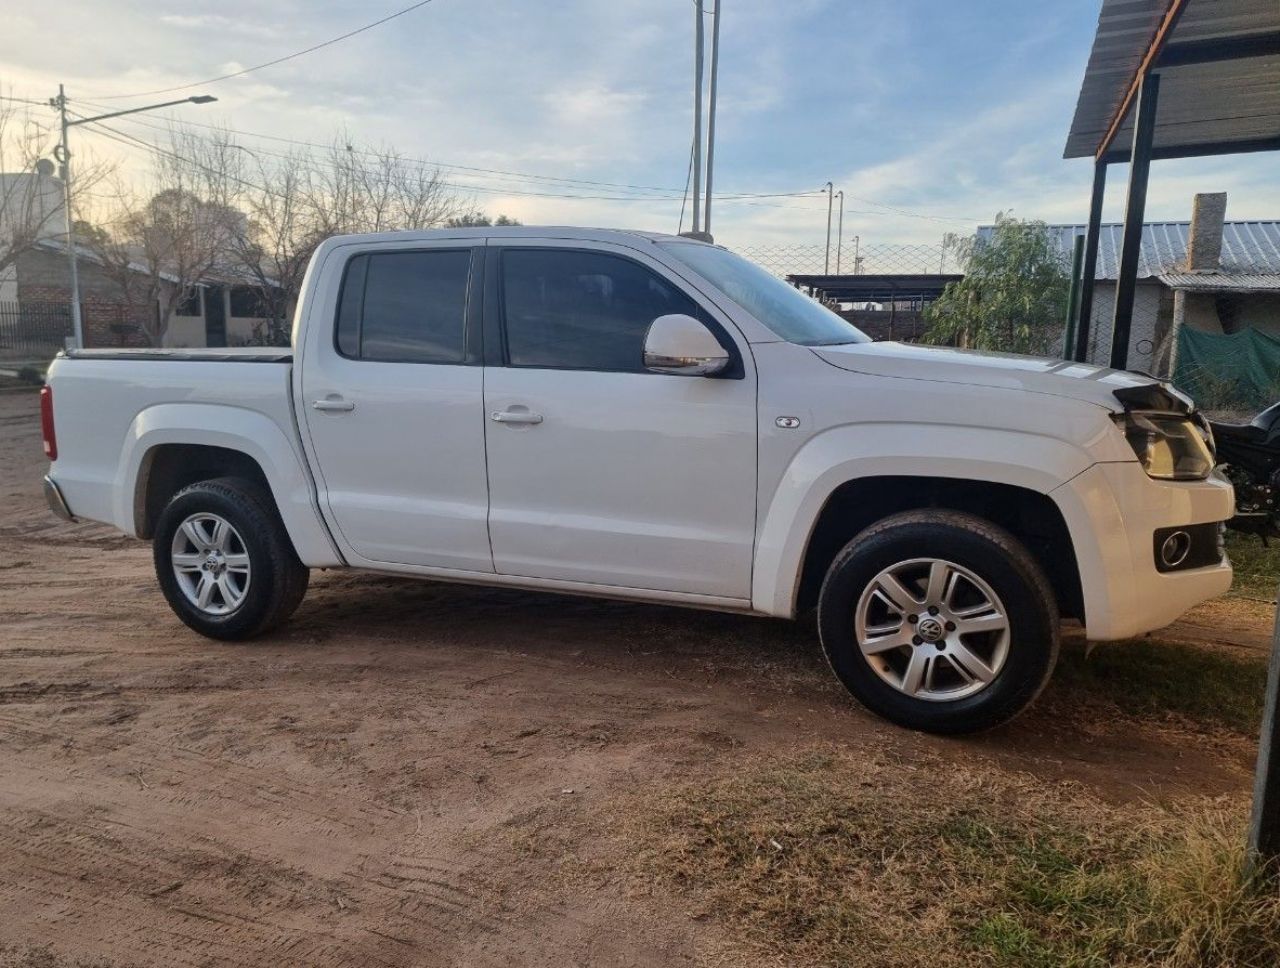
(851, 256)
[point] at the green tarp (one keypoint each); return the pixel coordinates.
(1223, 372)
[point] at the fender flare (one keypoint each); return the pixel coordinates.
(233, 428)
(859, 451)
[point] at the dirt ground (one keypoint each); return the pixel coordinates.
(413, 773)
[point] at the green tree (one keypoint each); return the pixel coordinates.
(471, 219)
(1013, 296)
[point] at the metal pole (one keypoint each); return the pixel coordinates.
(826, 266)
(711, 112)
(839, 230)
(1263, 848)
(1089, 268)
(77, 325)
(1073, 297)
(697, 115)
(857, 259)
(1144, 128)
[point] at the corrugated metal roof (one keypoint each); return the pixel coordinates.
(1199, 103)
(1248, 248)
(1220, 282)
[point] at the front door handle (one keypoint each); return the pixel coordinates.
(515, 417)
(333, 403)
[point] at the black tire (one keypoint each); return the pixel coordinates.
(994, 556)
(277, 579)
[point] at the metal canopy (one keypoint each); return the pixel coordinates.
(1168, 79)
(1218, 62)
(874, 288)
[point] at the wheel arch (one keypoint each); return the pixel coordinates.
(845, 479)
(170, 446)
(1028, 515)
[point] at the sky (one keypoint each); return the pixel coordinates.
(930, 115)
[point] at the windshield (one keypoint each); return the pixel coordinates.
(787, 311)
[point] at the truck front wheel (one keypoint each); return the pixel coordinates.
(224, 561)
(939, 621)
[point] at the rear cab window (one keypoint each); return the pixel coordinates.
(405, 306)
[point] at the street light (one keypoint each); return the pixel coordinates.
(826, 265)
(63, 154)
(839, 230)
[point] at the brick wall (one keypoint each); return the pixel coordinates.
(44, 277)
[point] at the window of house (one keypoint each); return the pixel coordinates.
(246, 303)
(189, 304)
(405, 307)
(569, 309)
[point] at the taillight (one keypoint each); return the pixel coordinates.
(46, 423)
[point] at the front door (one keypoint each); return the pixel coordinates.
(392, 398)
(599, 470)
(215, 316)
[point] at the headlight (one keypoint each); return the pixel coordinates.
(1169, 446)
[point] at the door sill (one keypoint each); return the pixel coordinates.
(588, 589)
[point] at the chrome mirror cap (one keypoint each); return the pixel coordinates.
(680, 345)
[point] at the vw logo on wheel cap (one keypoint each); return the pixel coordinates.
(930, 629)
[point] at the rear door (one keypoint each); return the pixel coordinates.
(599, 470)
(392, 400)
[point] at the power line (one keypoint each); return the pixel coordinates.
(106, 131)
(684, 199)
(671, 193)
(418, 161)
(22, 100)
(278, 60)
(117, 135)
(523, 191)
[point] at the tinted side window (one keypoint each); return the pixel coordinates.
(405, 307)
(581, 310)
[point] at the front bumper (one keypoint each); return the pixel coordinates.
(57, 503)
(1113, 511)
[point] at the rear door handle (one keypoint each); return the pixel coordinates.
(515, 417)
(333, 403)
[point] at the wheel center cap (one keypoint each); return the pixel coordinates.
(930, 629)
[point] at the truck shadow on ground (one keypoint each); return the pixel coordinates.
(1108, 738)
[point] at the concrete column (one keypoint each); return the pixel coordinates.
(1204, 241)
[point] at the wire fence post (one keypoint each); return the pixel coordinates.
(1263, 850)
(1073, 297)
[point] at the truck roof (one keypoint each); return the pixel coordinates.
(627, 236)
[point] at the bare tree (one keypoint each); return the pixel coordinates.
(273, 246)
(159, 245)
(216, 209)
(297, 201)
(357, 189)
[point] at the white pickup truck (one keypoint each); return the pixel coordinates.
(652, 418)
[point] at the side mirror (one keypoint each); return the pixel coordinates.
(680, 345)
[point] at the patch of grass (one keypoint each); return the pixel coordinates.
(1151, 678)
(1257, 568)
(817, 860)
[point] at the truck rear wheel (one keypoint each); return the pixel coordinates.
(224, 561)
(939, 621)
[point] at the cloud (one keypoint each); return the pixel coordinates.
(220, 23)
(913, 107)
